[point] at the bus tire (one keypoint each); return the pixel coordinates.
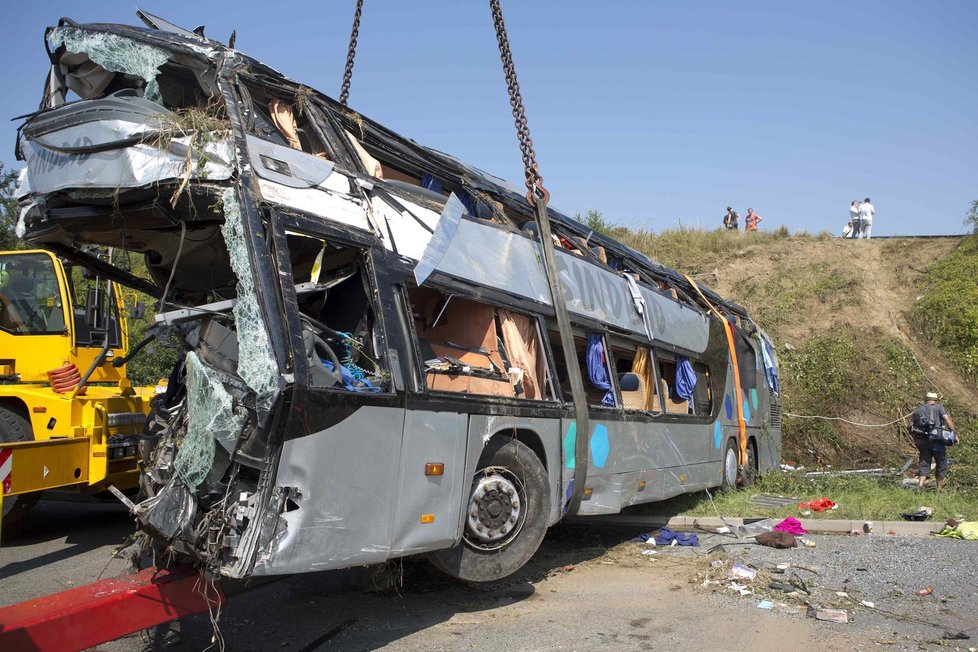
(749, 476)
(14, 427)
(730, 470)
(511, 482)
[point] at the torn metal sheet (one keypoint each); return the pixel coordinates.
(336, 206)
(286, 166)
(441, 240)
(509, 261)
(129, 167)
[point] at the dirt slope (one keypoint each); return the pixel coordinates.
(813, 295)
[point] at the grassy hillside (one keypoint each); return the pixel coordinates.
(863, 329)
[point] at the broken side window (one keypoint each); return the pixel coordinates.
(703, 393)
(93, 64)
(470, 347)
(684, 384)
(594, 364)
(640, 392)
(284, 118)
(339, 322)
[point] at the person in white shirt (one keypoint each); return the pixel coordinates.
(853, 219)
(847, 231)
(866, 212)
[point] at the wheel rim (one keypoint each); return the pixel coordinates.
(730, 466)
(496, 510)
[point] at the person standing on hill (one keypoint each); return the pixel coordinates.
(731, 221)
(925, 421)
(854, 220)
(752, 220)
(866, 212)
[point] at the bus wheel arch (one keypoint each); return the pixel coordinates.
(15, 425)
(505, 516)
(750, 472)
(530, 439)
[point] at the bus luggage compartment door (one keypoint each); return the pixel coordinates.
(429, 496)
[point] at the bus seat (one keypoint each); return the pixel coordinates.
(633, 399)
(672, 406)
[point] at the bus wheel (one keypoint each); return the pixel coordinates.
(749, 476)
(729, 482)
(505, 517)
(15, 427)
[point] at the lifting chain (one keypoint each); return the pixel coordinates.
(350, 55)
(534, 182)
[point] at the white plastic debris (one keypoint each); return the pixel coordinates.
(741, 571)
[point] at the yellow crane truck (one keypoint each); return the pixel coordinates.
(69, 417)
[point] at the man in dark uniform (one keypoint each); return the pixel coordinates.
(731, 220)
(925, 421)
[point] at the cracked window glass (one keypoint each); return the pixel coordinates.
(256, 364)
(211, 417)
(112, 53)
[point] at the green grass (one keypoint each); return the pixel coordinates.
(858, 498)
(948, 310)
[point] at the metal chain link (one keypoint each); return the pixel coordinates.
(534, 182)
(350, 55)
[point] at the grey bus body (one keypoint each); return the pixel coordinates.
(321, 279)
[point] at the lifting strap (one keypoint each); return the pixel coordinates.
(728, 329)
(537, 196)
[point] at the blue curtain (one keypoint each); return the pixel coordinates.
(770, 366)
(685, 380)
(431, 183)
(597, 370)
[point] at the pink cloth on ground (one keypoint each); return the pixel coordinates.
(791, 525)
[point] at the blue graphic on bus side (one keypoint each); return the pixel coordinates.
(600, 446)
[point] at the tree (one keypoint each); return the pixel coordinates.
(8, 210)
(971, 220)
(595, 221)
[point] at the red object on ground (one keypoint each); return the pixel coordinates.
(105, 610)
(818, 505)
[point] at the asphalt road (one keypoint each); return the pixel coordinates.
(587, 589)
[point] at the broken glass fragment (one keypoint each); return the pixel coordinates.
(256, 361)
(115, 54)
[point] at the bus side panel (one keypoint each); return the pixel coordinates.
(430, 437)
(483, 427)
(670, 458)
(344, 480)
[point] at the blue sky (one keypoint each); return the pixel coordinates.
(653, 113)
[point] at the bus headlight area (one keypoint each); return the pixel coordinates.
(350, 306)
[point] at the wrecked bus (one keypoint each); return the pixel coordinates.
(371, 367)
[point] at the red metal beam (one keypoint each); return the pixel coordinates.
(105, 610)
